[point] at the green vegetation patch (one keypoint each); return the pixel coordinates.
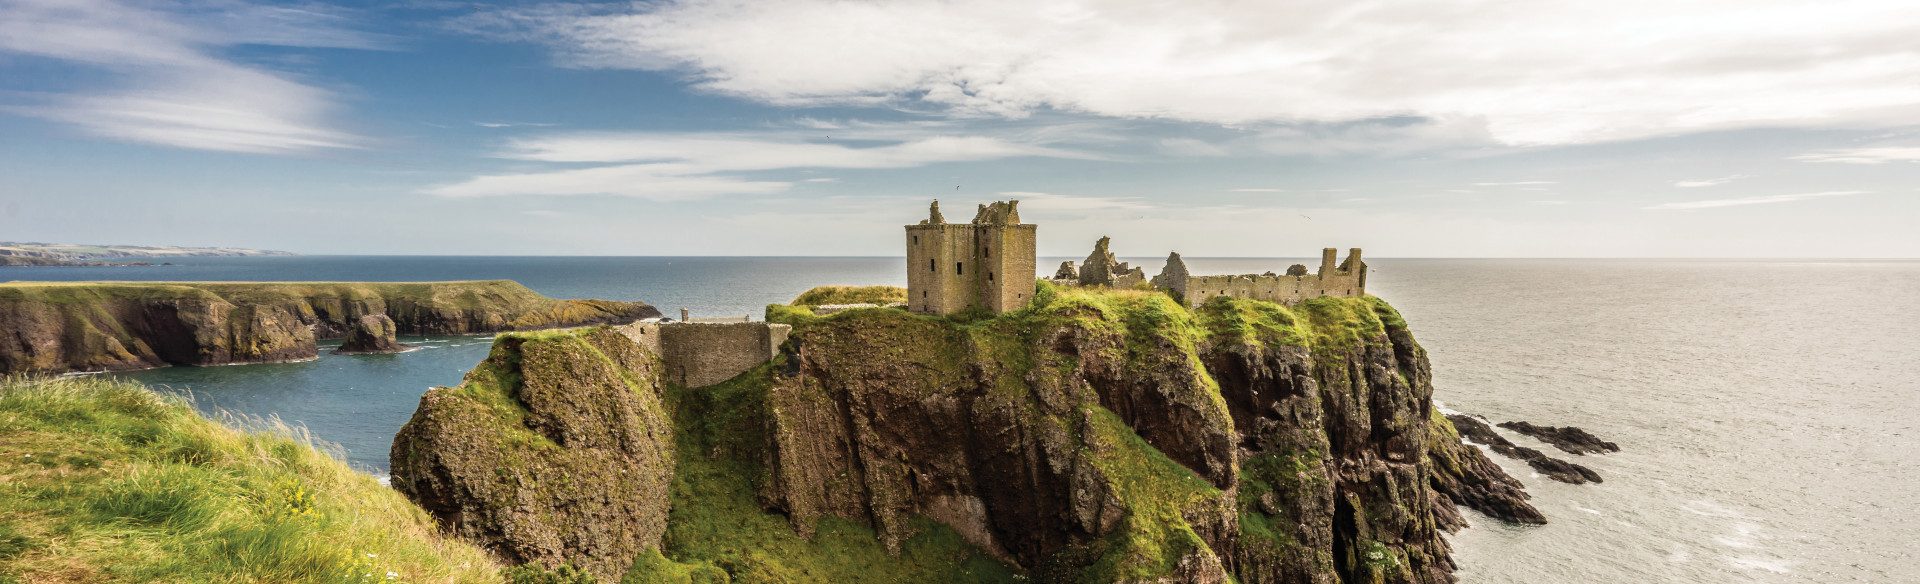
(717, 531)
(881, 295)
(105, 480)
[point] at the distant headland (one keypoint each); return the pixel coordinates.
(35, 253)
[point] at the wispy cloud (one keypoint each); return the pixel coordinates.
(1709, 182)
(511, 124)
(176, 89)
(1256, 190)
(1515, 184)
(1761, 200)
(1046, 202)
(667, 166)
(1527, 77)
(1880, 155)
(820, 180)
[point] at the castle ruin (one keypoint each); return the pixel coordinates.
(1348, 279)
(988, 263)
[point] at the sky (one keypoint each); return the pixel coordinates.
(1462, 128)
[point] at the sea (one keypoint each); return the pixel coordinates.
(1767, 411)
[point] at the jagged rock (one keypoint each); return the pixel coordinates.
(1559, 470)
(373, 333)
(1568, 438)
(556, 449)
(1473, 429)
(1465, 476)
(880, 416)
(1066, 272)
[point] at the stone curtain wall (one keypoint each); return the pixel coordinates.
(1011, 268)
(702, 354)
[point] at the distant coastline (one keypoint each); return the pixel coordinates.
(67, 254)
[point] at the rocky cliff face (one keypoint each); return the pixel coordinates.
(372, 333)
(1094, 437)
(102, 326)
(1119, 437)
(556, 449)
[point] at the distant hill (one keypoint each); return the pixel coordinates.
(13, 253)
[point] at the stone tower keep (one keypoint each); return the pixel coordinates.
(988, 263)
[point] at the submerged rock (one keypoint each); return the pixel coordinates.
(373, 333)
(1473, 429)
(1567, 438)
(554, 450)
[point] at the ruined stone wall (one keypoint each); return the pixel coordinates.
(702, 354)
(1346, 280)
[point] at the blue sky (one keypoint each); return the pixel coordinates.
(1501, 128)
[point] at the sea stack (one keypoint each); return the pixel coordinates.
(373, 333)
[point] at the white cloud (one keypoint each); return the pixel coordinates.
(1520, 71)
(176, 90)
(1515, 184)
(1048, 202)
(1190, 147)
(1863, 155)
(673, 166)
(1761, 200)
(1709, 182)
(510, 124)
(1256, 190)
(820, 180)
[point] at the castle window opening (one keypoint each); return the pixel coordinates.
(959, 267)
(989, 276)
(986, 253)
(930, 266)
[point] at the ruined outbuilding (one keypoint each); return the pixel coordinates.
(988, 263)
(1348, 279)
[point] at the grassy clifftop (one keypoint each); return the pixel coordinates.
(93, 326)
(104, 480)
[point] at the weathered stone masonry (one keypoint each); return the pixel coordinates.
(988, 263)
(702, 354)
(1347, 280)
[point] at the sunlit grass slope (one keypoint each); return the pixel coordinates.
(107, 481)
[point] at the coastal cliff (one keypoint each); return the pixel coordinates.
(1095, 436)
(116, 326)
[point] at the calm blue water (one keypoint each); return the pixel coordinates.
(1765, 408)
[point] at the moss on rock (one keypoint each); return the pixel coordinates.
(556, 449)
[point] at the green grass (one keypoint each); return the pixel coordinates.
(104, 480)
(881, 295)
(717, 531)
